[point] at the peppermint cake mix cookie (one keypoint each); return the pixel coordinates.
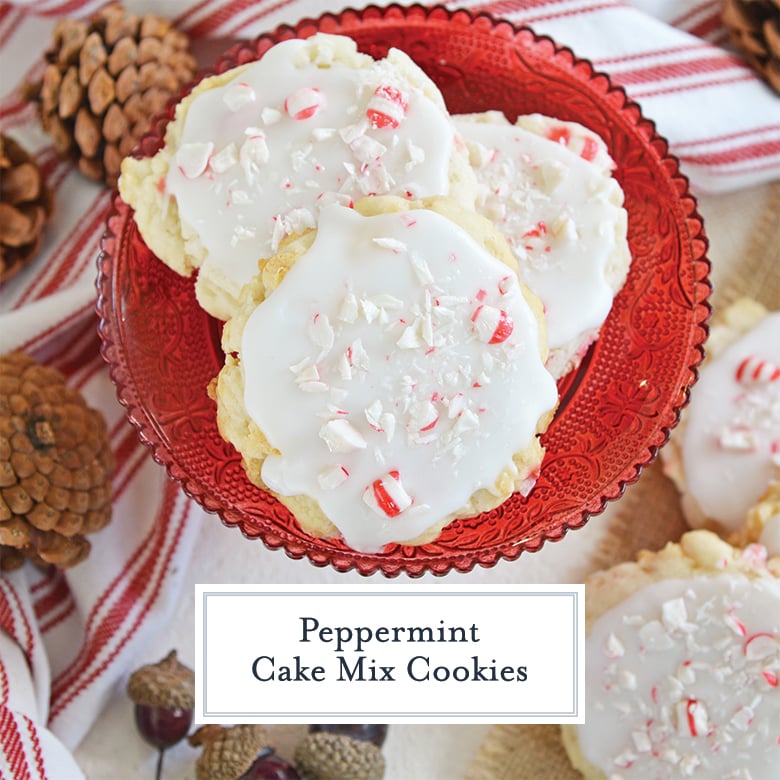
(683, 662)
(726, 451)
(254, 153)
(547, 185)
(385, 373)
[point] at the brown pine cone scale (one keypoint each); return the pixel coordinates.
(56, 466)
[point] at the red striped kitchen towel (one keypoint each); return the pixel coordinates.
(67, 639)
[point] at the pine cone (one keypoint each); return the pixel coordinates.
(106, 79)
(327, 756)
(26, 204)
(55, 466)
(754, 27)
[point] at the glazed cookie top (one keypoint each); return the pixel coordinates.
(311, 123)
(731, 441)
(683, 681)
(547, 186)
(396, 370)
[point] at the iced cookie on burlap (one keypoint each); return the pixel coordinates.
(726, 451)
(548, 186)
(385, 373)
(253, 154)
(683, 661)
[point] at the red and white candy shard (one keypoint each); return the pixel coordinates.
(387, 496)
(754, 370)
(192, 159)
(341, 436)
(491, 324)
(387, 107)
(333, 476)
(304, 103)
(239, 95)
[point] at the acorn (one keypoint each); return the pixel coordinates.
(228, 753)
(328, 756)
(164, 698)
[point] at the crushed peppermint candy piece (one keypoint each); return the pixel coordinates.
(330, 478)
(270, 116)
(365, 148)
(321, 332)
(674, 614)
(423, 416)
(225, 159)
(348, 310)
(387, 107)
(373, 413)
(755, 370)
(692, 718)
(341, 436)
(641, 740)
(759, 646)
(239, 95)
(335, 198)
(655, 637)
(193, 158)
(742, 718)
(416, 155)
(738, 439)
(492, 325)
(393, 244)
(613, 647)
(254, 151)
(387, 496)
(304, 103)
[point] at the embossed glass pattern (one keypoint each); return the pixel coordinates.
(616, 411)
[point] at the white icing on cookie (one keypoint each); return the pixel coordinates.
(683, 682)
(259, 155)
(562, 213)
(731, 442)
(368, 371)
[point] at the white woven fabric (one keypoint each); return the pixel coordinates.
(67, 639)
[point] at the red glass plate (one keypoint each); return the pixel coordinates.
(616, 411)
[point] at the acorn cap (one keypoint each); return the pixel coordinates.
(227, 752)
(326, 756)
(168, 684)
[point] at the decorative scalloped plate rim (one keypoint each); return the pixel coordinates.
(555, 512)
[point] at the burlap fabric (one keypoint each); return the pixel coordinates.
(646, 517)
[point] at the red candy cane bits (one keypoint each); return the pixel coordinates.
(491, 324)
(753, 370)
(387, 107)
(304, 103)
(387, 496)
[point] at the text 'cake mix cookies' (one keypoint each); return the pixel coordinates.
(726, 451)
(547, 185)
(683, 663)
(385, 373)
(254, 154)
